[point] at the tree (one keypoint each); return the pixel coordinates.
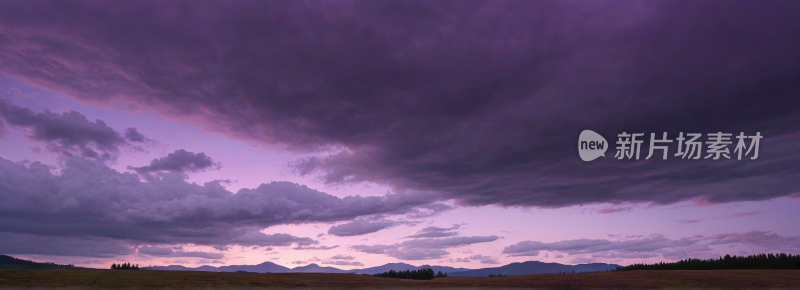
(421, 274)
(758, 261)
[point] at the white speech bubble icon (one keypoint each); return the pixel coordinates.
(591, 145)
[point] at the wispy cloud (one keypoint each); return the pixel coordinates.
(729, 216)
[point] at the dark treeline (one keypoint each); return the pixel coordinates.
(9, 262)
(124, 266)
(421, 274)
(759, 261)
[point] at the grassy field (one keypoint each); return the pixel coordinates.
(630, 279)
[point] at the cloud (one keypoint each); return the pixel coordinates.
(91, 201)
(422, 249)
(485, 259)
(360, 227)
(654, 245)
(432, 235)
(133, 135)
(179, 161)
(168, 252)
(315, 247)
(69, 134)
(429, 210)
(446, 99)
(759, 238)
(435, 232)
(402, 253)
(582, 246)
(736, 215)
(342, 257)
(30, 244)
(343, 263)
(438, 229)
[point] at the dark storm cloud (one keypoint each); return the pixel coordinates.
(360, 227)
(480, 101)
(70, 133)
(91, 202)
(179, 161)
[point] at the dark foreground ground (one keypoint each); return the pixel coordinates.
(631, 279)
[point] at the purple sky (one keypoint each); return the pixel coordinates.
(358, 133)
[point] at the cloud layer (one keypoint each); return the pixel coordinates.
(423, 249)
(91, 202)
(655, 245)
(360, 227)
(168, 252)
(179, 161)
(71, 133)
(481, 101)
(435, 232)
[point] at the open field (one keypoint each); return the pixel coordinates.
(631, 279)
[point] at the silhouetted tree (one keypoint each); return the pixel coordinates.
(125, 266)
(758, 261)
(421, 274)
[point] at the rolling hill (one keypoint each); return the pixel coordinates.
(8, 262)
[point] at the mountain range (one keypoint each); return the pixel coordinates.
(534, 267)
(524, 268)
